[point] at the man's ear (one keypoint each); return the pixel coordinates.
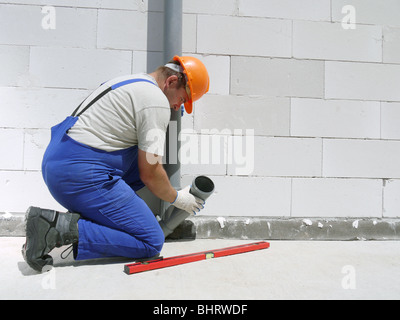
(172, 81)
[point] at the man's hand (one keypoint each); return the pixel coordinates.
(188, 202)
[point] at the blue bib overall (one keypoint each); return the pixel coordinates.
(101, 186)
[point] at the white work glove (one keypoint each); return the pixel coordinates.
(188, 202)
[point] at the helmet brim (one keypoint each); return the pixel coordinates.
(189, 106)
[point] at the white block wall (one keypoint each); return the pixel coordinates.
(302, 118)
(322, 99)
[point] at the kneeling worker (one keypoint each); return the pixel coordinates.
(98, 158)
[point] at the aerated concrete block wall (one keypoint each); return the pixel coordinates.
(302, 118)
(319, 83)
(52, 55)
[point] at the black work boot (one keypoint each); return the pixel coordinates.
(45, 230)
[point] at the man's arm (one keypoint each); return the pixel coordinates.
(153, 175)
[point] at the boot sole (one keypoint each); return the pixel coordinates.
(34, 249)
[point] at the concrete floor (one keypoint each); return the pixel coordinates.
(287, 270)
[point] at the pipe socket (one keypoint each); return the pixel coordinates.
(202, 187)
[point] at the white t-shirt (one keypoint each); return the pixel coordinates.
(133, 114)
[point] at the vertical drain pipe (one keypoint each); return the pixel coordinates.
(202, 186)
(173, 46)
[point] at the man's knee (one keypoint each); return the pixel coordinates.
(155, 242)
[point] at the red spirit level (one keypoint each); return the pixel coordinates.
(193, 257)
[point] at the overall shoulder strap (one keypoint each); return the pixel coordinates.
(102, 94)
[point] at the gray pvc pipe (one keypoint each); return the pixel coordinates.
(202, 187)
(173, 21)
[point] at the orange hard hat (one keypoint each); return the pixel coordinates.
(197, 79)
